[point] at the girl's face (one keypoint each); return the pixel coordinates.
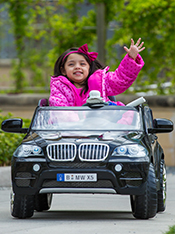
(76, 68)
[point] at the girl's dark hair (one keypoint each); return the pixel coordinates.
(94, 65)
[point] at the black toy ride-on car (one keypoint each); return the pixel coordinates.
(96, 148)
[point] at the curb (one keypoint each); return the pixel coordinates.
(32, 99)
(5, 176)
(21, 99)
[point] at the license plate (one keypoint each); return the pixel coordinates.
(68, 177)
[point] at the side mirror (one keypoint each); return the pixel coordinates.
(13, 125)
(161, 126)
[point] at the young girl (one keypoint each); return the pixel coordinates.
(77, 72)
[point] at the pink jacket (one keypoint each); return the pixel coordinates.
(64, 93)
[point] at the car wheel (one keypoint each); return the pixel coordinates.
(43, 201)
(161, 194)
(145, 206)
(22, 206)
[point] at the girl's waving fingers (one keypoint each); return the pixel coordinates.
(138, 42)
(126, 49)
(140, 47)
(134, 48)
(132, 42)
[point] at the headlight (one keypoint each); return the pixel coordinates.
(130, 151)
(28, 150)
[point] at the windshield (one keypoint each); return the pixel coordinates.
(87, 120)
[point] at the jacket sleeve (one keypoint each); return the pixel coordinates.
(58, 95)
(127, 118)
(122, 78)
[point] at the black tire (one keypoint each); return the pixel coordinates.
(145, 206)
(22, 206)
(43, 201)
(161, 194)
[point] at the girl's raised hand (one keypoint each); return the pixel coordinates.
(134, 49)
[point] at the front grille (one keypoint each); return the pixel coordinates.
(134, 183)
(23, 175)
(77, 165)
(22, 179)
(23, 182)
(131, 179)
(93, 152)
(87, 152)
(98, 184)
(61, 151)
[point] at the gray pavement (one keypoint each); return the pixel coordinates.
(5, 176)
(87, 214)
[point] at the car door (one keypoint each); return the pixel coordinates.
(152, 138)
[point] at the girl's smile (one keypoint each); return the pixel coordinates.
(76, 69)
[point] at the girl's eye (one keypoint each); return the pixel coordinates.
(83, 64)
(70, 64)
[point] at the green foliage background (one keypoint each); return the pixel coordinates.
(44, 29)
(9, 141)
(154, 22)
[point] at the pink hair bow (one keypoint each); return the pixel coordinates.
(84, 50)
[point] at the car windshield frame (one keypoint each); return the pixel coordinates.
(105, 125)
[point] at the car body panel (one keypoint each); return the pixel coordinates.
(93, 136)
(90, 149)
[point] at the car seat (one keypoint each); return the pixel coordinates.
(44, 101)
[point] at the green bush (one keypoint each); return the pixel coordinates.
(171, 230)
(9, 141)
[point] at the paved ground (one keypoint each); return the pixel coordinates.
(5, 177)
(86, 214)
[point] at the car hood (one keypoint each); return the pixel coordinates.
(43, 138)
